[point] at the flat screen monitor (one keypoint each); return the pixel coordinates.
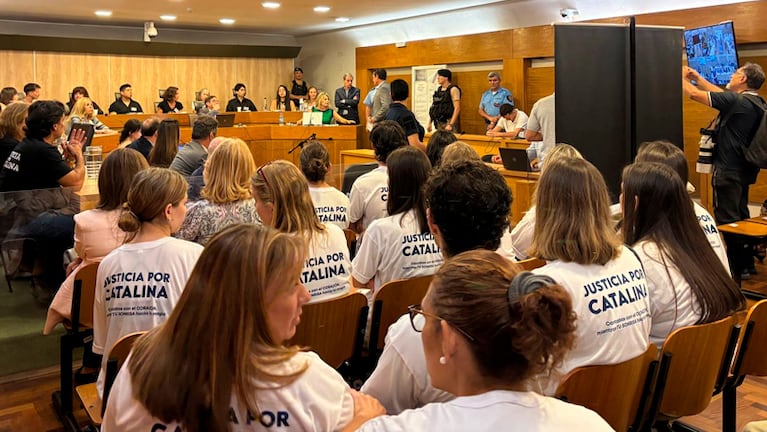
(711, 51)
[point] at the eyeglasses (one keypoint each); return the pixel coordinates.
(415, 310)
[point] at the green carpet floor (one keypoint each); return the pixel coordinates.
(22, 344)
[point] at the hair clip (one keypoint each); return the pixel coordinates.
(525, 283)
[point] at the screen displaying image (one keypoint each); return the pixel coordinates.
(711, 51)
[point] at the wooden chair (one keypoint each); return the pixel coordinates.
(79, 331)
(750, 359)
(334, 328)
(89, 394)
(531, 263)
(390, 302)
(612, 391)
(693, 364)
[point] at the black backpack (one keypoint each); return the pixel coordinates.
(756, 152)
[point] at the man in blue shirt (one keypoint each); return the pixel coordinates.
(492, 99)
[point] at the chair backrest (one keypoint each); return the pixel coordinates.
(352, 172)
(117, 356)
(612, 391)
(156, 106)
(750, 359)
(391, 301)
(693, 358)
(531, 263)
(117, 95)
(333, 328)
(82, 298)
(351, 238)
(161, 92)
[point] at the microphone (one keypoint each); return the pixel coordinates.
(301, 144)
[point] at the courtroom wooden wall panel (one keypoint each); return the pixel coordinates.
(472, 84)
(17, 68)
(146, 75)
(59, 73)
(532, 42)
(514, 79)
(540, 83)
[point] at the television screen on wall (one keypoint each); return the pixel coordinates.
(711, 51)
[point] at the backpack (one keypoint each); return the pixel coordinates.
(756, 152)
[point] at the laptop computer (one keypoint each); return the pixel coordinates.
(515, 159)
(225, 120)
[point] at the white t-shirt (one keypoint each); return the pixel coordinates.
(498, 410)
(400, 380)
(667, 314)
(368, 197)
(708, 226)
(137, 286)
(542, 119)
(506, 249)
(394, 248)
(319, 400)
(327, 268)
(331, 206)
(613, 309)
(519, 122)
(522, 235)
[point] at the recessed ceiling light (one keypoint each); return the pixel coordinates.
(342, 19)
(227, 21)
(321, 9)
(168, 17)
(103, 13)
(270, 5)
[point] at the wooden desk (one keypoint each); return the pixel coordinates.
(117, 121)
(89, 194)
(521, 184)
(745, 228)
(483, 144)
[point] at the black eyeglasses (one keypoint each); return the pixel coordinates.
(414, 310)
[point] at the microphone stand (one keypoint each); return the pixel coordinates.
(301, 144)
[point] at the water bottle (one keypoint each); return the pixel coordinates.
(302, 105)
(266, 105)
(282, 119)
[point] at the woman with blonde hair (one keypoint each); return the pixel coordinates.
(458, 151)
(574, 233)
(487, 331)
(84, 112)
(283, 202)
(145, 276)
(12, 128)
(328, 114)
(166, 146)
(220, 361)
(226, 194)
(517, 244)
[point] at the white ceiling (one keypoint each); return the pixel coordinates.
(294, 17)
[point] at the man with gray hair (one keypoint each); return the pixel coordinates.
(347, 99)
(492, 99)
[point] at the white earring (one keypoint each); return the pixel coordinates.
(442, 360)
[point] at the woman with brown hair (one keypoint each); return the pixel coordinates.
(170, 102)
(226, 194)
(487, 331)
(165, 148)
(574, 233)
(331, 205)
(686, 280)
(283, 202)
(12, 128)
(140, 282)
(220, 362)
(96, 235)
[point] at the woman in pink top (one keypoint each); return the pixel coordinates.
(96, 231)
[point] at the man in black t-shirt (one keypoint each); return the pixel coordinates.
(732, 172)
(299, 88)
(399, 113)
(239, 102)
(125, 103)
